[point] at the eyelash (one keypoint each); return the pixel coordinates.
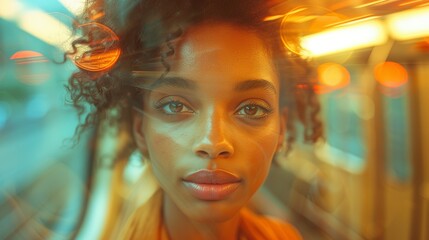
(264, 107)
(165, 102)
(168, 102)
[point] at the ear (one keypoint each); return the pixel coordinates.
(138, 134)
(282, 128)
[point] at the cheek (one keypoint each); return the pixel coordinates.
(164, 147)
(260, 149)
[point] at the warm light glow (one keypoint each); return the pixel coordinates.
(25, 54)
(410, 2)
(359, 35)
(31, 67)
(46, 28)
(390, 74)
(409, 24)
(370, 3)
(331, 76)
(274, 17)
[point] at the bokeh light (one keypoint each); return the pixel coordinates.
(331, 76)
(31, 67)
(101, 53)
(25, 55)
(390, 74)
(37, 106)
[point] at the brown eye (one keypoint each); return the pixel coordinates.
(171, 106)
(255, 109)
(250, 109)
(175, 107)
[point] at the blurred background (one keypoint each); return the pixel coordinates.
(369, 179)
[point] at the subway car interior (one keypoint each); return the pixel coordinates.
(368, 179)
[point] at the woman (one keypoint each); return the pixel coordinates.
(207, 90)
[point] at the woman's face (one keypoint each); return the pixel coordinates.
(211, 127)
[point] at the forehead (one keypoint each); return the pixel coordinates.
(222, 52)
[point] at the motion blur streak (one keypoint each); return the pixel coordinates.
(74, 6)
(37, 23)
(409, 24)
(360, 35)
(46, 28)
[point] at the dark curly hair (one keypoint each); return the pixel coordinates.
(147, 29)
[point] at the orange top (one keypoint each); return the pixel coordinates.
(256, 227)
(146, 223)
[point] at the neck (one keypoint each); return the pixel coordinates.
(180, 226)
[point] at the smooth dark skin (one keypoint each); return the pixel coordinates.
(217, 109)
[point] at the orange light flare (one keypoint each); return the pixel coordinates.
(96, 61)
(390, 74)
(331, 77)
(96, 15)
(23, 56)
(31, 67)
(305, 20)
(423, 46)
(406, 3)
(101, 53)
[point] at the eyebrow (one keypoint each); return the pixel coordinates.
(191, 85)
(255, 84)
(174, 82)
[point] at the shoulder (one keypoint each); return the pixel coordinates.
(146, 221)
(256, 226)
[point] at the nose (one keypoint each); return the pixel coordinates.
(212, 141)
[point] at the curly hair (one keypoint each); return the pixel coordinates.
(147, 29)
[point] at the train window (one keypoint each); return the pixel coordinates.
(343, 127)
(344, 110)
(43, 177)
(397, 134)
(364, 63)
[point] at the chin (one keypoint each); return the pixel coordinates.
(215, 212)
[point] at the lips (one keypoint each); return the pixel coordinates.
(211, 185)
